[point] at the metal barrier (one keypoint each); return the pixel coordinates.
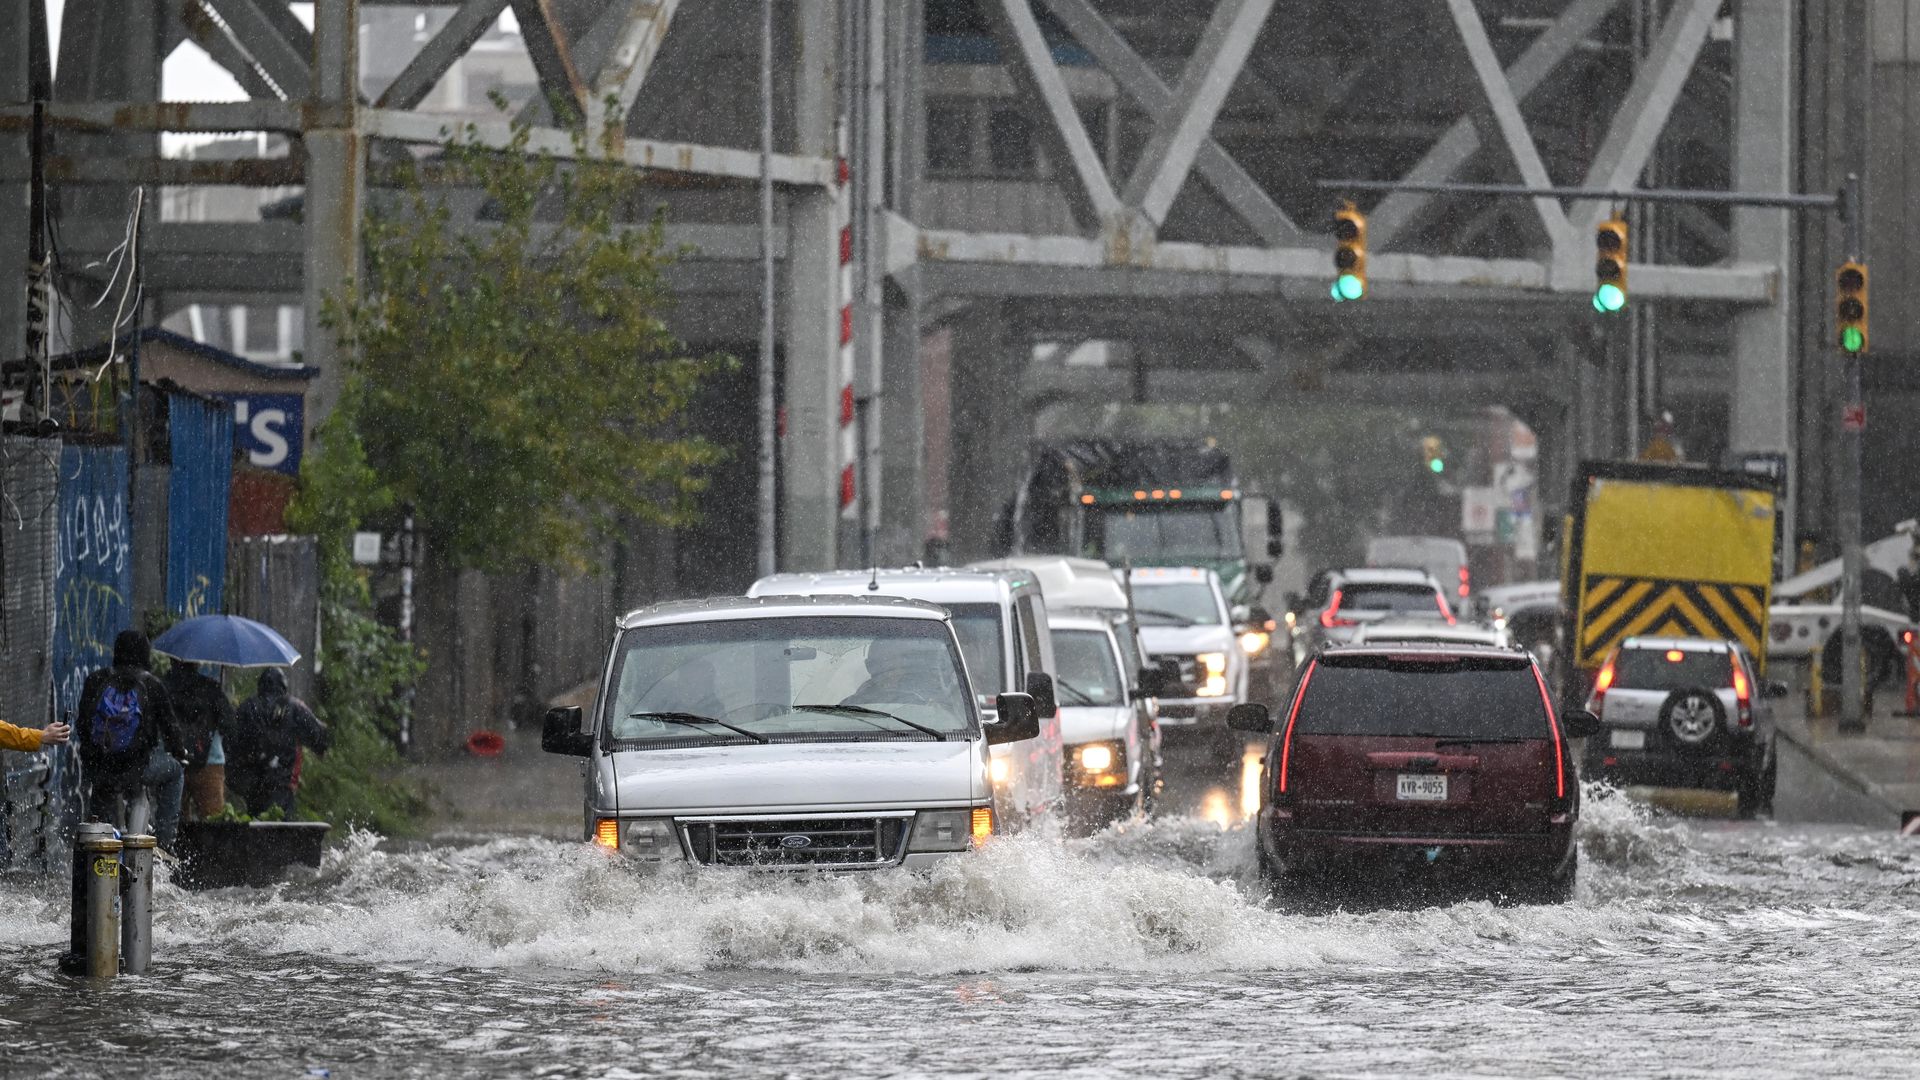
(136, 903)
(112, 920)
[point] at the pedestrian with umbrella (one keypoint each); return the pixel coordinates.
(262, 747)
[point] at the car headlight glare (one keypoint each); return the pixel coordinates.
(997, 770)
(1254, 642)
(1212, 667)
(1096, 757)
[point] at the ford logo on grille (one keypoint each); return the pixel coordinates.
(795, 840)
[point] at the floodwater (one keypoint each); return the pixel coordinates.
(1693, 948)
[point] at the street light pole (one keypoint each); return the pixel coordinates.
(768, 519)
(1853, 712)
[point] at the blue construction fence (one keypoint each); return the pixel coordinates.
(94, 532)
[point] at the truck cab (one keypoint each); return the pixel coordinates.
(1001, 623)
(1184, 619)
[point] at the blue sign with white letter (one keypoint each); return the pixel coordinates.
(270, 428)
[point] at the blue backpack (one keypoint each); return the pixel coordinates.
(114, 726)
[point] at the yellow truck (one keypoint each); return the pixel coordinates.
(1664, 550)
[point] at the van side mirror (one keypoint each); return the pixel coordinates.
(1019, 719)
(1040, 689)
(560, 732)
(1580, 724)
(1250, 716)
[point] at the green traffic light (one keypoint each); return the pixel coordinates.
(1851, 339)
(1609, 298)
(1334, 291)
(1437, 465)
(1348, 287)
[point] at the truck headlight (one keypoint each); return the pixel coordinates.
(1099, 764)
(1255, 642)
(1212, 669)
(650, 840)
(947, 830)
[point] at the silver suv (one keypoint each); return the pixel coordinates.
(1685, 712)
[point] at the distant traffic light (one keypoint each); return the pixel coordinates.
(1610, 265)
(1350, 253)
(1434, 454)
(1850, 305)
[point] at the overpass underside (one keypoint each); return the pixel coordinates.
(1025, 178)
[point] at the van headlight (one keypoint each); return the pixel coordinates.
(650, 840)
(1212, 669)
(1099, 764)
(943, 830)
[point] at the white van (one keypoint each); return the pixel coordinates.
(1442, 556)
(1001, 623)
(837, 733)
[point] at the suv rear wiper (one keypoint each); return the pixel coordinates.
(862, 710)
(696, 718)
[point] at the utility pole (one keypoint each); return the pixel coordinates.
(39, 74)
(769, 451)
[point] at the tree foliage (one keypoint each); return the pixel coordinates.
(514, 379)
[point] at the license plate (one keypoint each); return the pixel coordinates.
(1627, 740)
(1423, 787)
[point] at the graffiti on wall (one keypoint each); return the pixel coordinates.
(93, 567)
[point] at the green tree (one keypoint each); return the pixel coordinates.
(515, 379)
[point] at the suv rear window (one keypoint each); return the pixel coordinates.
(1399, 599)
(1671, 669)
(1446, 697)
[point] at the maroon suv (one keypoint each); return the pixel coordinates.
(1428, 763)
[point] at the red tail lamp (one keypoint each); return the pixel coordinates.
(486, 744)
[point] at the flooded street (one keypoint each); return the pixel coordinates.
(1694, 947)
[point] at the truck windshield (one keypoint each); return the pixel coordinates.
(978, 628)
(755, 674)
(1163, 536)
(1176, 603)
(1490, 698)
(1086, 674)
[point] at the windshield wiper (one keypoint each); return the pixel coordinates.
(1179, 619)
(1083, 697)
(863, 711)
(696, 718)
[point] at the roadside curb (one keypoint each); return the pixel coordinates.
(1794, 730)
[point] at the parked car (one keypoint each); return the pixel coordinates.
(1420, 763)
(1183, 618)
(836, 733)
(1430, 631)
(1442, 557)
(1001, 622)
(1686, 712)
(1339, 601)
(1112, 747)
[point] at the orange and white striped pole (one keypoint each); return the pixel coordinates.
(849, 432)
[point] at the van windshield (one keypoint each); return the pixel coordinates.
(757, 674)
(978, 628)
(1445, 697)
(1087, 675)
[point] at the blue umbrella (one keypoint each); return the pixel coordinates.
(228, 640)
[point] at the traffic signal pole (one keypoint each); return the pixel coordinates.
(1853, 703)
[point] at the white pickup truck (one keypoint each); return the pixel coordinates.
(1799, 629)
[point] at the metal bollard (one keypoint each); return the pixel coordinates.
(136, 903)
(102, 900)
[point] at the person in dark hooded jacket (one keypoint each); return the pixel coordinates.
(128, 740)
(268, 732)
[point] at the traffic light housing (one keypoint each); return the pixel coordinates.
(1850, 306)
(1610, 265)
(1434, 454)
(1349, 253)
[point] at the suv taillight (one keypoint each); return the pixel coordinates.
(1330, 618)
(1600, 685)
(1559, 749)
(1286, 740)
(1743, 694)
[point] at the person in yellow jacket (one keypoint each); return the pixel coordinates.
(28, 739)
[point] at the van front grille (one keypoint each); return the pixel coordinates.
(857, 842)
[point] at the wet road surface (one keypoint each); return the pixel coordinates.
(1692, 948)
